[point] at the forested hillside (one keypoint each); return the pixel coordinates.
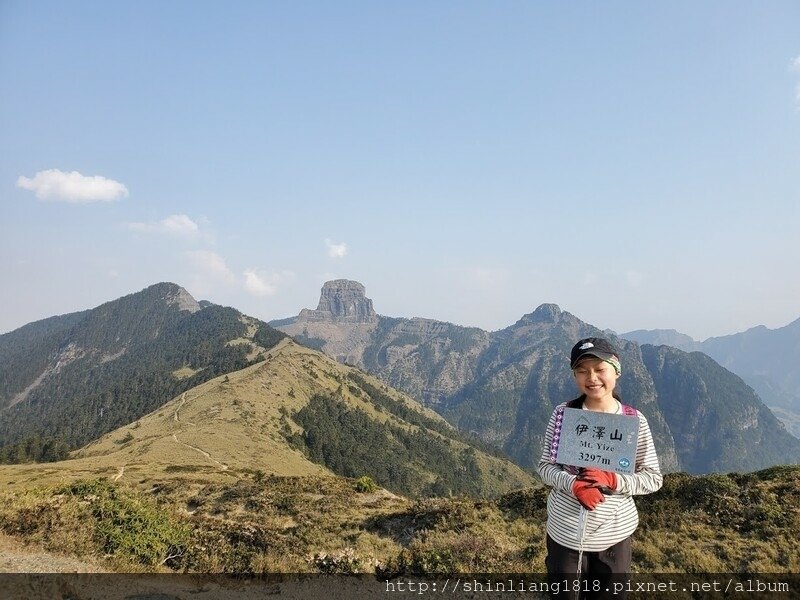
(92, 373)
(766, 359)
(718, 422)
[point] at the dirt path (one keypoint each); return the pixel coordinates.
(183, 401)
(222, 466)
(16, 557)
(178, 408)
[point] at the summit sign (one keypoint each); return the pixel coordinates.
(599, 440)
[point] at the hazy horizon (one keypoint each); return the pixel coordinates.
(378, 311)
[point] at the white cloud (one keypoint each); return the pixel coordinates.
(336, 250)
(72, 187)
(113, 273)
(796, 64)
(262, 283)
(175, 225)
(211, 264)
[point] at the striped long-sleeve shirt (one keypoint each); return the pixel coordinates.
(614, 519)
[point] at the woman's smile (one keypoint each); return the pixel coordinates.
(595, 378)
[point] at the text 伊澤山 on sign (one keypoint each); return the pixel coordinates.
(597, 439)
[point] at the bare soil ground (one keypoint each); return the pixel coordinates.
(16, 557)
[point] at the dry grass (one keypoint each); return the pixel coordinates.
(267, 523)
(185, 372)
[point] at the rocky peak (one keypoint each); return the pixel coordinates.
(183, 299)
(545, 313)
(157, 294)
(342, 300)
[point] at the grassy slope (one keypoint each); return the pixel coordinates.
(230, 426)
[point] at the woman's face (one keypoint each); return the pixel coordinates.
(595, 378)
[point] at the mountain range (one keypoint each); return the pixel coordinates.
(263, 455)
(76, 377)
(766, 359)
(502, 386)
(167, 385)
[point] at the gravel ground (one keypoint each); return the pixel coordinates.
(16, 557)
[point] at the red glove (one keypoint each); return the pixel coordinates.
(587, 494)
(598, 478)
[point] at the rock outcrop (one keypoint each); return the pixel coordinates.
(342, 301)
(182, 299)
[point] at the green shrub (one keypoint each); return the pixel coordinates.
(128, 525)
(365, 485)
(451, 552)
(527, 503)
(127, 438)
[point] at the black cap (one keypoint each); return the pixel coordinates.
(597, 347)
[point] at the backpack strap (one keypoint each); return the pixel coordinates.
(556, 433)
(576, 403)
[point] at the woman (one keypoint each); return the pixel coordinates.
(590, 513)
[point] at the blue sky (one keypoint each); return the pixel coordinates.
(637, 164)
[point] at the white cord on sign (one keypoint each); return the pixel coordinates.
(582, 520)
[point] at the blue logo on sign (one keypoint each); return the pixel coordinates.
(624, 463)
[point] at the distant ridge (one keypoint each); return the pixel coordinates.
(503, 385)
(663, 337)
(766, 359)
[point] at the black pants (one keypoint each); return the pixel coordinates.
(599, 571)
